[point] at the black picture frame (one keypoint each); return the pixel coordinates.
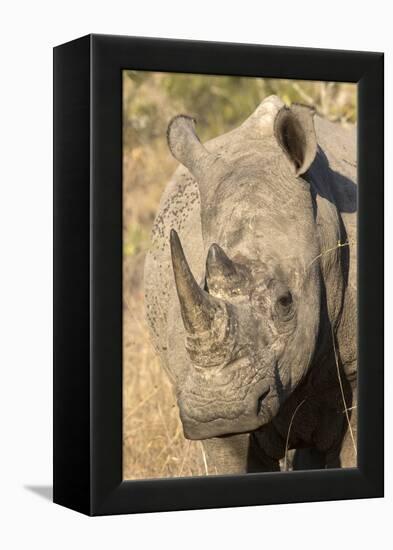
(88, 274)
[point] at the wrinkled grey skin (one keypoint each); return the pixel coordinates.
(250, 289)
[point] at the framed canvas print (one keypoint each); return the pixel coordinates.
(218, 275)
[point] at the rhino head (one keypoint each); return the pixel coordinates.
(251, 323)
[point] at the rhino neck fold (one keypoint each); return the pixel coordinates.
(334, 259)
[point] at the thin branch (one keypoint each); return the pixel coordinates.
(288, 434)
(185, 456)
(338, 245)
(168, 437)
(342, 392)
(349, 409)
(204, 458)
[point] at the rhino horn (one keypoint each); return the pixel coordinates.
(218, 264)
(222, 273)
(197, 306)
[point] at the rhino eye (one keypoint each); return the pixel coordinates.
(285, 300)
(284, 307)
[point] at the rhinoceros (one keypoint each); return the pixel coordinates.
(250, 289)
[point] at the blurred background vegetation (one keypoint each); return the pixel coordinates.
(153, 445)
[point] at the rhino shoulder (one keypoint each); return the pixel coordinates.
(339, 145)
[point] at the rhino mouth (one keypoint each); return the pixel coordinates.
(196, 427)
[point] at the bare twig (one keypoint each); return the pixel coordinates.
(346, 409)
(164, 424)
(338, 245)
(288, 434)
(185, 456)
(349, 409)
(165, 464)
(204, 458)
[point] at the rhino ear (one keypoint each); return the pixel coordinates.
(185, 146)
(184, 143)
(295, 133)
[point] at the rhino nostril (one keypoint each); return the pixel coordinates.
(260, 401)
